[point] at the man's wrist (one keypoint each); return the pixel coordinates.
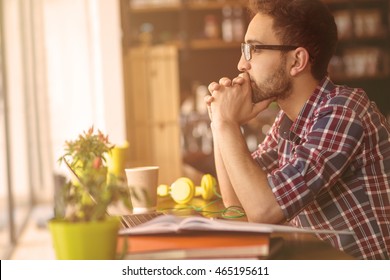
(222, 125)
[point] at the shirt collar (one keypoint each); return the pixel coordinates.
(294, 131)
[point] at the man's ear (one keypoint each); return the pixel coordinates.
(300, 61)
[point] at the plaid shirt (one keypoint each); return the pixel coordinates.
(330, 169)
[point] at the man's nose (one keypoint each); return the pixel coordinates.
(243, 65)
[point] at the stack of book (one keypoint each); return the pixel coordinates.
(196, 245)
(172, 237)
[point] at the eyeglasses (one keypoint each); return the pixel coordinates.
(247, 49)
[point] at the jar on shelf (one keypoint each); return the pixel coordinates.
(211, 27)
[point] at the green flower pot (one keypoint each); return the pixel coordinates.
(86, 240)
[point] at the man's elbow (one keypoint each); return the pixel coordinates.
(272, 215)
(230, 202)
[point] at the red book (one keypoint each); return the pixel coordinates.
(195, 245)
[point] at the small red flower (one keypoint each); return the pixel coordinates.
(97, 162)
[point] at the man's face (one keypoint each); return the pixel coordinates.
(267, 68)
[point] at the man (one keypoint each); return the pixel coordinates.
(325, 164)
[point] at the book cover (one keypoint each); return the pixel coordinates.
(199, 245)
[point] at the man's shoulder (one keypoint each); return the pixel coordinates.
(347, 97)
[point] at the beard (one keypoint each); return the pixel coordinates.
(278, 85)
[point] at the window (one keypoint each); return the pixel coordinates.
(61, 72)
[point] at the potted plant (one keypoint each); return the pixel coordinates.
(81, 228)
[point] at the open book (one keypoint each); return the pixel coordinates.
(175, 224)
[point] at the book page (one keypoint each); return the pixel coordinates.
(269, 228)
(201, 223)
(160, 224)
(172, 224)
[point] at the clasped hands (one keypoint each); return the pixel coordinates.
(231, 100)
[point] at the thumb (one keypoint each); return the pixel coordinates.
(245, 78)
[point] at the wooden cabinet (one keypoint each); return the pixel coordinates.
(186, 23)
(152, 109)
(171, 48)
(198, 28)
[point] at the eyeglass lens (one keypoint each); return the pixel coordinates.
(246, 50)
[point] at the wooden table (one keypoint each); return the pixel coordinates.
(284, 246)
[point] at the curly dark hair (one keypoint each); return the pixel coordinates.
(305, 23)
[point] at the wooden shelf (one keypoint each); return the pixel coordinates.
(346, 78)
(156, 8)
(348, 2)
(200, 44)
(190, 5)
(364, 39)
(180, 18)
(215, 5)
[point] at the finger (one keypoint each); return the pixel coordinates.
(238, 81)
(225, 82)
(213, 86)
(210, 113)
(208, 99)
(245, 76)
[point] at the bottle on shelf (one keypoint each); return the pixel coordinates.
(145, 36)
(238, 24)
(211, 27)
(227, 24)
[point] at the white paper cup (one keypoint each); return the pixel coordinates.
(142, 182)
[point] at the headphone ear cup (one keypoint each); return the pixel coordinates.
(182, 190)
(163, 190)
(208, 184)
